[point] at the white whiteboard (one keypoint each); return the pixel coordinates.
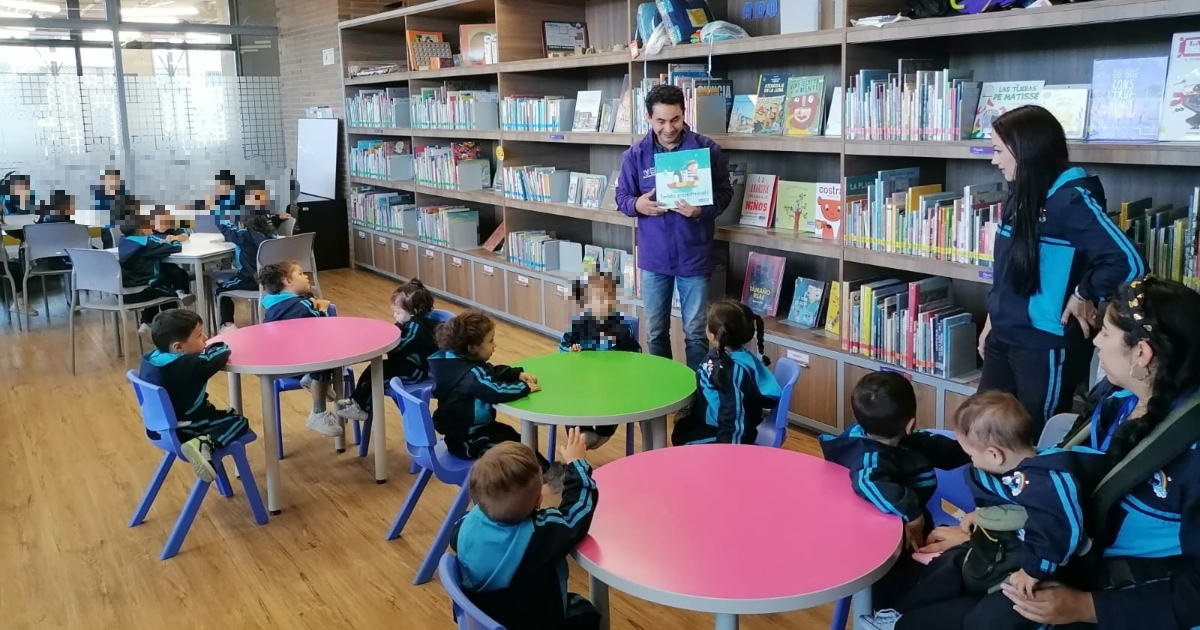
(316, 159)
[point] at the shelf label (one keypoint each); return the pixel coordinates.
(456, 261)
(985, 275)
(984, 150)
(403, 247)
(382, 241)
(429, 253)
(563, 291)
(523, 280)
(488, 270)
(360, 234)
(557, 137)
(799, 357)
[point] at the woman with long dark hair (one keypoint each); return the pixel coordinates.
(1057, 255)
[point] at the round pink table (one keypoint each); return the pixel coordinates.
(733, 530)
(300, 346)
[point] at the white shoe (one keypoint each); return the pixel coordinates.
(227, 328)
(885, 619)
(193, 451)
(186, 298)
(324, 423)
(306, 382)
(349, 410)
(144, 329)
(20, 307)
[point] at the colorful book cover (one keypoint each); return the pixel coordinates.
(796, 206)
(999, 97)
(768, 109)
(593, 257)
(473, 41)
(741, 118)
(764, 275)
(759, 203)
(1069, 104)
(805, 102)
(1180, 119)
(833, 316)
(588, 104)
(1127, 97)
(829, 210)
(683, 176)
(807, 300)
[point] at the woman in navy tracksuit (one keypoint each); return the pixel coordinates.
(1057, 255)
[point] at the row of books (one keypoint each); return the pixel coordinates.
(456, 227)
(1166, 236)
(546, 184)
(383, 210)
(445, 108)
(540, 250)
(380, 159)
(460, 166)
(529, 113)
(806, 207)
(388, 107)
(914, 103)
(784, 105)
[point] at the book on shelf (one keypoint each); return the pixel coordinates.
(629, 277)
(915, 102)
(544, 184)
(683, 176)
(388, 107)
(608, 112)
(460, 166)
(829, 210)
(477, 43)
(423, 46)
(758, 205)
(371, 69)
(446, 108)
(833, 122)
(760, 291)
(386, 210)
(624, 121)
(1180, 118)
(1126, 98)
(495, 242)
(533, 113)
(741, 116)
(456, 227)
(768, 107)
(591, 190)
(609, 200)
(1069, 105)
(796, 206)
(381, 159)
(805, 104)
(593, 258)
(833, 310)
(999, 97)
(588, 104)
(1165, 236)
(809, 302)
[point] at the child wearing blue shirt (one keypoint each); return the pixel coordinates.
(246, 235)
(143, 264)
(114, 204)
(734, 387)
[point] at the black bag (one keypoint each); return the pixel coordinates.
(917, 9)
(991, 557)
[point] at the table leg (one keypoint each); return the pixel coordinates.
(654, 434)
(378, 428)
(861, 605)
(266, 385)
(727, 622)
(529, 436)
(202, 296)
(598, 593)
(235, 393)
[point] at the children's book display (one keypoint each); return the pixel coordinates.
(683, 176)
(1180, 119)
(758, 205)
(809, 300)
(764, 275)
(1127, 98)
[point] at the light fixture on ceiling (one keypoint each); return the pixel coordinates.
(35, 7)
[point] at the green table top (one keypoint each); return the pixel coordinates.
(607, 387)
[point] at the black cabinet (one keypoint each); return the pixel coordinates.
(327, 218)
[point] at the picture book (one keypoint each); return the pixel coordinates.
(999, 97)
(624, 121)
(423, 46)
(683, 176)
(1127, 97)
(1180, 119)
(758, 206)
(833, 314)
(768, 108)
(495, 242)
(592, 190)
(477, 44)
(796, 206)
(805, 105)
(1069, 104)
(587, 110)
(741, 118)
(808, 303)
(760, 291)
(608, 111)
(593, 257)
(829, 210)
(609, 200)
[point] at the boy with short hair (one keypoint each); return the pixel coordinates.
(181, 363)
(288, 295)
(113, 203)
(143, 264)
(513, 555)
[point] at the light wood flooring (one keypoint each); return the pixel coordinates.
(74, 462)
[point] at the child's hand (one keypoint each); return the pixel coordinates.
(576, 348)
(575, 447)
(534, 387)
(1024, 584)
(914, 534)
(967, 525)
(321, 305)
(528, 378)
(284, 216)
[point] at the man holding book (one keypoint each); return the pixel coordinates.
(674, 236)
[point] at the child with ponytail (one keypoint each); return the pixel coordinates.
(734, 387)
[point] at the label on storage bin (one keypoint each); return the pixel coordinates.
(798, 357)
(523, 280)
(563, 291)
(487, 269)
(456, 261)
(361, 234)
(429, 253)
(382, 241)
(403, 247)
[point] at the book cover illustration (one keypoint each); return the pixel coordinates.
(593, 191)
(1069, 104)
(1127, 97)
(768, 108)
(741, 117)
(833, 314)
(759, 203)
(683, 176)
(587, 110)
(474, 41)
(805, 105)
(796, 206)
(807, 300)
(829, 210)
(764, 275)
(999, 97)
(1180, 119)
(624, 121)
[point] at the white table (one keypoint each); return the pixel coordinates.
(198, 250)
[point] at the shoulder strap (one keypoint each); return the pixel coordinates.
(1170, 439)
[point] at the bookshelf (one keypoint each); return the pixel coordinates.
(1056, 44)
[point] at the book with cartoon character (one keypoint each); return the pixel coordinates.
(829, 210)
(1180, 119)
(764, 275)
(768, 108)
(805, 105)
(808, 303)
(683, 176)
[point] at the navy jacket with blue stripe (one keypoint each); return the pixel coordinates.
(409, 361)
(185, 377)
(1051, 488)
(735, 398)
(896, 479)
(280, 306)
(245, 246)
(466, 389)
(1080, 247)
(594, 333)
(517, 572)
(142, 258)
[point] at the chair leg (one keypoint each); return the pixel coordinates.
(425, 573)
(46, 299)
(278, 424)
(160, 475)
(630, 431)
(223, 485)
(249, 486)
(25, 292)
(841, 614)
(364, 436)
(175, 541)
(358, 435)
(121, 326)
(71, 331)
(551, 442)
(410, 502)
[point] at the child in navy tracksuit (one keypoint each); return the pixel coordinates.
(182, 365)
(599, 327)
(142, 256)
(223, 202)
(734, 387)
(114, 204)
(513, 555)
(409, 361)
(247, 232)
(17, 198)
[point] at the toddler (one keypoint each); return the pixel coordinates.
(114, 204)
(143, 264)
(247, 236)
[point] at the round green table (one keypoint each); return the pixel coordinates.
(603, 388)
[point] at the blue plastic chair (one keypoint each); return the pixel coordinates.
(952, 487)
(159, 417)
(431, 458)
(773, 430)
(630, 427)
(466, 613)
(292, 383)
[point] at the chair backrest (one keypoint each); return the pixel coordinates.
(287, 227)
(952, 488)
(634, 324)
(414, 414)
(467, 614)
(298, 248)
(787, 372)
(95, 270)
(51, 240)
(332, 312)
(157, 413)
(1056, 429)
(205, 224)
(440, 316)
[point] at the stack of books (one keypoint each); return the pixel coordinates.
(456, 227)
(440, 108)
(378, 108)
(524, 113)
(386, 210)
(380, 159)
(460, 166)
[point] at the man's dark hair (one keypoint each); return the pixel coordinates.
(883, 402)
(174, 325)
(271, 276)
(225, 177)
(665, 95)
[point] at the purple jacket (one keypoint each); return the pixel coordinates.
(672, 244)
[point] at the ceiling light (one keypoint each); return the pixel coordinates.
(36, 7)
(157, 12)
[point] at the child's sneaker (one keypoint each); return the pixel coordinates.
(227, 328)
(324, 423)
(885, 619)
(195, 452)
(144, 329)
(594, 440)
(306, 382)
(347, 409)
(555, 477)
(19, 307)
(185, 298)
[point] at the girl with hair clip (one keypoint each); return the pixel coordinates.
(1057, 255)
(734, 387)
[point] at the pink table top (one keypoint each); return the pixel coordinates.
(307, 345)
(735, 529)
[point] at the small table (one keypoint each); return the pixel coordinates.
(300, 346)
(732, 530)
(198, 250)
(603, 388)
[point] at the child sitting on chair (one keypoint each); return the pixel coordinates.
(734, 388)
(288, 295)
(247, 235)
(513, 555)
(182, 365)
(113, 203)
(409, 361)
(143, 264)
(600, 326)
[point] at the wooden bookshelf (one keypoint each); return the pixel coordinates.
(1051, 44)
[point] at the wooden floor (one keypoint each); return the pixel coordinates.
(74, 462)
